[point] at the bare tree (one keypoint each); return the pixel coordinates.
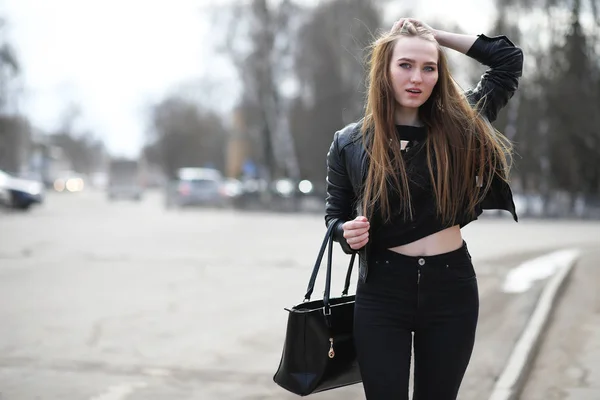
(184, 135)
(556, 136)
(330, 67)
(83, 150)
(14, 129)
(259, 43)
(81, 147)
(574, 100)
(10, 68)
(15, 134)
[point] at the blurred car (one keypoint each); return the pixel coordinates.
(4, 197)
(279, 195)
(20, 193)
(4, 193)
(69, 183)
(251, 194)
(197, 187)
(124, 180)
(289, 188)
(292, 195)
(231, 188)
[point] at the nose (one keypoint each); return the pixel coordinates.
(416, 76)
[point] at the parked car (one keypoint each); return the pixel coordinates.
(124, 180)
(196, 187)
(20, 193)
(69, 182)
(280, 195)
(4, 193)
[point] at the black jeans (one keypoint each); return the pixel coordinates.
(434, 297)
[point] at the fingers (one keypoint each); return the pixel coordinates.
(398, 24)
(356, 239)
(419, 23)
(352, 235)
(358, 223)
(356, 232)
(353, 240)
(359, 246)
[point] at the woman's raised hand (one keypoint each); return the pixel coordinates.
(398, 24)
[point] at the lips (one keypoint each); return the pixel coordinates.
(414, 90)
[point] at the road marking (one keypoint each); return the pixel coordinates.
(120, 392)
(521, 278)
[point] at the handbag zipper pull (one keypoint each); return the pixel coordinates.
(331, 353)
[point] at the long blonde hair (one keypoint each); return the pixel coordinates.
(463, 150)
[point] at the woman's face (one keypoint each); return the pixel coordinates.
(413, 70)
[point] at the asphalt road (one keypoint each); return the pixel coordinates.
(113, 301)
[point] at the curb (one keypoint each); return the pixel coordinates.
(514, 376)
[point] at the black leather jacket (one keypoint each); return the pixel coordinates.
(347, 158)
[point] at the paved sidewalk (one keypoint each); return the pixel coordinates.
(568, 363)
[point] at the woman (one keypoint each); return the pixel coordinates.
(423, 163)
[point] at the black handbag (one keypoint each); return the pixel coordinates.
(318, 352)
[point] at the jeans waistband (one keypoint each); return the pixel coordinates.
(437, 259)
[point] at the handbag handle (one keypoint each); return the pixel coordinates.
(313, 276)
(328, 241)
(348, 275)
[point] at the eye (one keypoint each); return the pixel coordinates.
(429, 69)
(405, 65)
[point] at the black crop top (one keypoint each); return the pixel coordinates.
(399, 231)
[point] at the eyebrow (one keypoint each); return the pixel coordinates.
(414, 62)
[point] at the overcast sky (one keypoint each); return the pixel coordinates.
(115, 57)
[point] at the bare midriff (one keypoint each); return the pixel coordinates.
(440, 242)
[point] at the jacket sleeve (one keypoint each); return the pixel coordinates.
(500, 81)
(340, 197)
